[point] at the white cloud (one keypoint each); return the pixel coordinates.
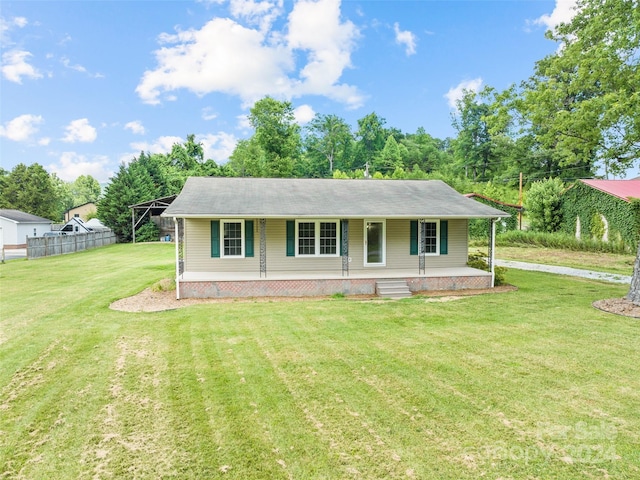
(456, 93)
(15, 66)
(71, 165)
(79, 68)
(406, 38)
(563, 12)
(7, 25)
(135, 127)
(316, 28)
(160, 145)
(243, 122)
(21, 128)
(228, 57)
(304, 114)
(208, 114)
(218, 146)
(80, 131)
(262, 13)
(44, 141)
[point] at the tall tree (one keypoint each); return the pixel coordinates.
(583, 100)
(473, 147)
(390, 157)
(328, 142)
(85, 189)
(247, 159)
(371, 138)
(130, 185)
(278, 135)
(31, 190)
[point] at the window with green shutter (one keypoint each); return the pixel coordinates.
(215, 238)
(435, 234)
(291, 238)
(232, 238)
(248, 238)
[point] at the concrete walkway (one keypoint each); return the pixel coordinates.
(574, 272)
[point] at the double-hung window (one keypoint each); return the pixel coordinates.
(430, 237)
(232, 236)
(434, 235)
(317, 238)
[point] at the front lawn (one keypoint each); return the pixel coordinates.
(528, 384)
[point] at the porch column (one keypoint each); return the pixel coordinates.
(133, 224)
(492, 251)
(421, 248)
(263, 246)
(177, 237)
(344, 240)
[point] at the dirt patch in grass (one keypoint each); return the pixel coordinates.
(154, 300)
(619, 306)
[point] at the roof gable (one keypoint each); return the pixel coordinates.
(22, 217)
(623, 189)
(228, 197)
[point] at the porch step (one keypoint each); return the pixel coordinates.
(392, 289)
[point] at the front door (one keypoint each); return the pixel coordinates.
(374, 243)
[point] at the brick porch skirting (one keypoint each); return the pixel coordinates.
(318, 287)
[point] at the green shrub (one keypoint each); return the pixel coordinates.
(479, 260)
(164, 285)
(544, 205)
(149, 232)
(563, 241)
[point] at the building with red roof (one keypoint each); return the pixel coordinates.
(608, 210)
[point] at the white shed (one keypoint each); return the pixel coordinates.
(16, 226)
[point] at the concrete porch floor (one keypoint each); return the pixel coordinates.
(326, 275)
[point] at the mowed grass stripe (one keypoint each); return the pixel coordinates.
(408, 389)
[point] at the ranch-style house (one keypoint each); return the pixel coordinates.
(249, 237)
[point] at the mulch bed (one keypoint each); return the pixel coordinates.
(157, 301)
(618, 306)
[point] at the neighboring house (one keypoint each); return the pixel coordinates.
(294, 237)
(608, 210)
(17, 226)
(81, 211)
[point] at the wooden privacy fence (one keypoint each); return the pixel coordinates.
(38, 247)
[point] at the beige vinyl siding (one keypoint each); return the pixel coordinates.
(398, 242)
(198, 252)
(198, 249)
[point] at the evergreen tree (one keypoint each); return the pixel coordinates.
(30, 190)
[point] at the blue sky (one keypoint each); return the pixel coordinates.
(86, 85)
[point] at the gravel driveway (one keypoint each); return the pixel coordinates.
(574, 272)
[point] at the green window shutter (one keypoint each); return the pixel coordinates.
(248, 238)
(444, 237)
(291, 238)
(215, 238)
(413, 245)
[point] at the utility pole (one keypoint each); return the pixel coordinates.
(520, 204)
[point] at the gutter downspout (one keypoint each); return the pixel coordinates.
(492, 257)
(175, 223)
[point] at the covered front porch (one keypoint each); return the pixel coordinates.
(298, 284)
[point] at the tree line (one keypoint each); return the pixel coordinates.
(578, 114)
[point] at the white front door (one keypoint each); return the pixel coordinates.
(374, 243)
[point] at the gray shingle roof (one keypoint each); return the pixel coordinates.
(223, 197)
(22, 217)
